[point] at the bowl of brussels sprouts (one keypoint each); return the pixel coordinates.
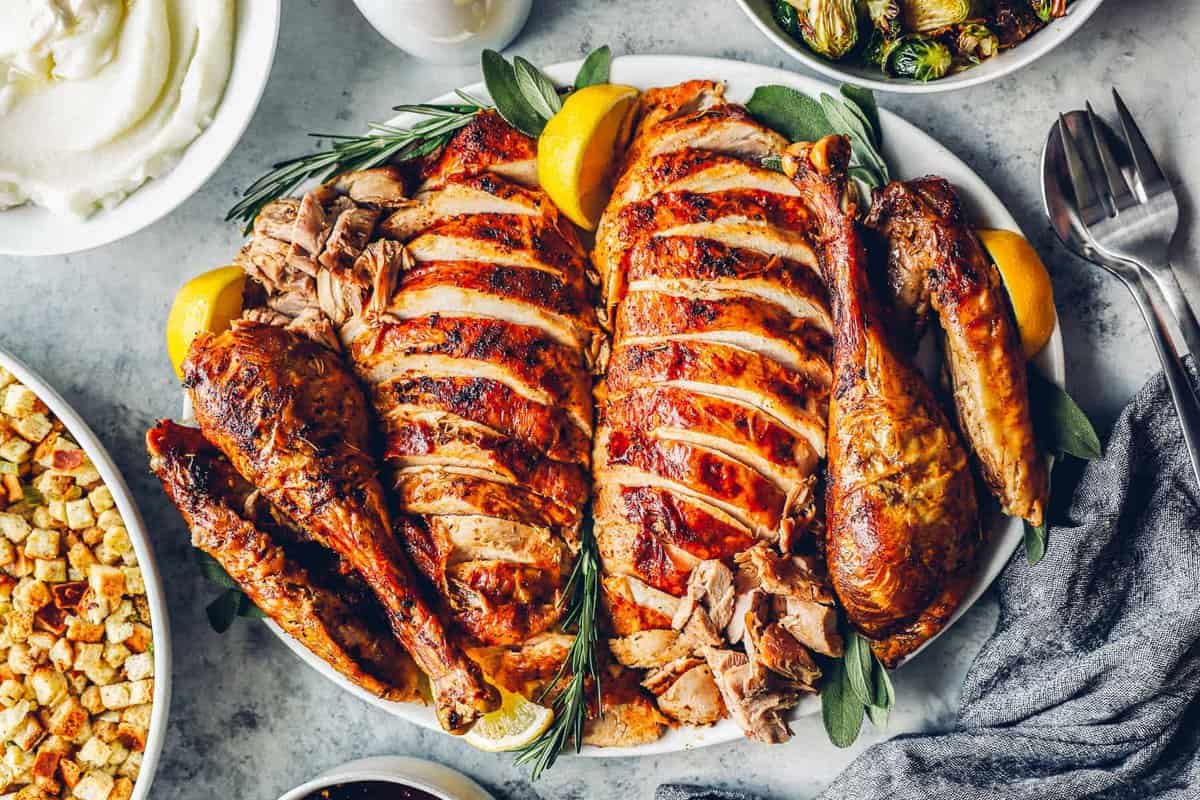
(918, 46)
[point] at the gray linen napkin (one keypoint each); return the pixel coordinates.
(1090, 686)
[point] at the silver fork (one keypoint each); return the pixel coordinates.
(1132, 223)
(1065, 187)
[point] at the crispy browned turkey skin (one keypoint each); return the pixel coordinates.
(901, 515)
(936, 261)
(711, 417)
(467, 314)
(319, 609)
(288, 415)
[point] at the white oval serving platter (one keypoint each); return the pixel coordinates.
(911, 153)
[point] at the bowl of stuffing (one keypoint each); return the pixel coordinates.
(84, 641)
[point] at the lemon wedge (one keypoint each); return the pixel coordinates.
(208, 302)
(516, 723)
(1028, 285)
(576, 149)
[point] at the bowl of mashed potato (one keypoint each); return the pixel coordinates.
(113, 112)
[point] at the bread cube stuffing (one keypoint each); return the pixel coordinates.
(33, 427)
(14, 528)
(53, 570)
(15, 450)
(94, 786)
(76, 663)
(94, 753)
(19, 401)
(101, 499)
(79, 515)
(42, 543)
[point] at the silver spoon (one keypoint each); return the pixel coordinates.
(1059, 198)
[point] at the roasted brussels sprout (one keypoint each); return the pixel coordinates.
(884, 15)
(788, 19)
(918, 57)
(828, 27)
(976, 42)
(878, 47)
(921, 16)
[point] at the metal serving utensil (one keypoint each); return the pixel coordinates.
(1059, 194)
(1127, 204)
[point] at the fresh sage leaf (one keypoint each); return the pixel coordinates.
(213, 571)
(596, 68)
(539, 91)
(884, 698)
(851, 124)
(858, 663)
(501, 81)
(1035, 542)
(247, 609)
(864, 99)
(793, 114)
(1059, 422)
(222, 611)
(841, 711)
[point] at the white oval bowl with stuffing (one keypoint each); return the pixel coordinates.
(86, 439)
(434, 779)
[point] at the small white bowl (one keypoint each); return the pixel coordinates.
(1042, 42)
(447, 31)
(159, 625)
(439, 781)
(32, 231)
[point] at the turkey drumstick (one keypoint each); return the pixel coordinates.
(293, 422)
(900, 502)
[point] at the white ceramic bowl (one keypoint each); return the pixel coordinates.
(439, 781)
(1045, 40)
(83, 435)
(447, 31)
(32, 231)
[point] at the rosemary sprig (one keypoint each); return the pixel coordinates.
(524, 96)
(571, 704)
(382, 143)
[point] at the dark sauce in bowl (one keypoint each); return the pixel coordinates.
(369, 790)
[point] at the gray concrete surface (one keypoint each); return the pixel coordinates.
(248, 720)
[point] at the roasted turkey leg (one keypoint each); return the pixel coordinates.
(900, 501)
(293, 422)
(211, 496)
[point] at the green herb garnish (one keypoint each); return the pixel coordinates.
(523, 95)
(596, 68)
(231, 602)
(1062, 428)
(1059, 422)
(1035, 541)
(856, 685)
(571, 704)
(800, 118)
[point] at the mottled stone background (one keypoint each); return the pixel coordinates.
(248, 720)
